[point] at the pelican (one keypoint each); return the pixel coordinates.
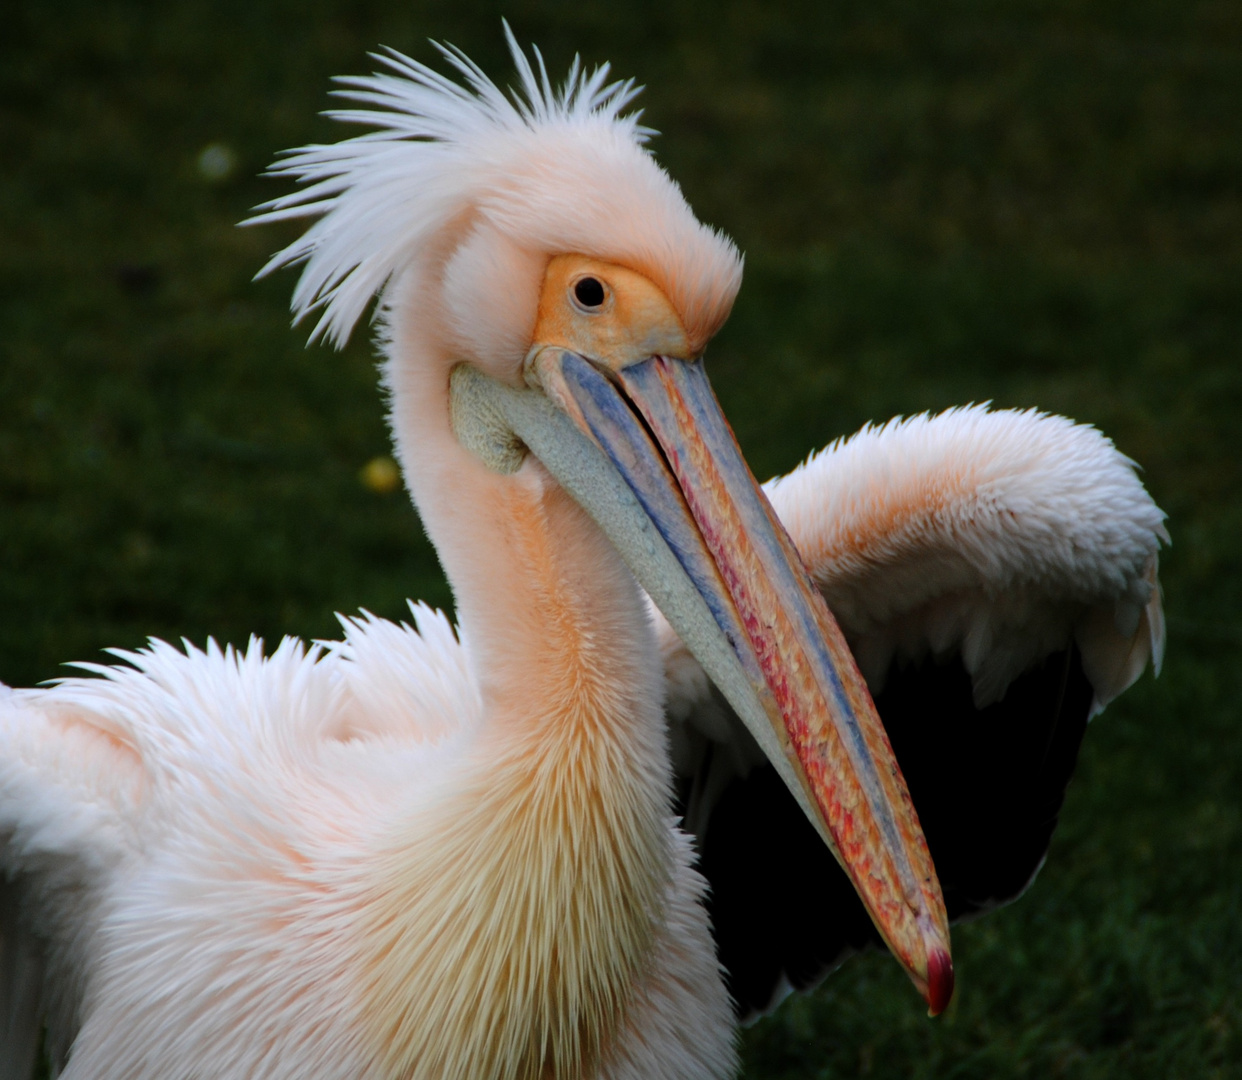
(486, 852)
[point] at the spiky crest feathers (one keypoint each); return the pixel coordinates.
(538, 170)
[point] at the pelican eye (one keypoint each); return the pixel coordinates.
(589, 293)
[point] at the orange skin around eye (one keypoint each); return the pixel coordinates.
(634, 321)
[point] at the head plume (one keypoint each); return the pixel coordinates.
(553, 171)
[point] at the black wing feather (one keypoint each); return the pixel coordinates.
(988, 785)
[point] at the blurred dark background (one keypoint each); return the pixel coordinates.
(1035, 204)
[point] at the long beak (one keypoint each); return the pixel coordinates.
(653, 460)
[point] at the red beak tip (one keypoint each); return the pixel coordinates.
(939, 982)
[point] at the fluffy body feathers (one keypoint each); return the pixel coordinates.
(223, 858)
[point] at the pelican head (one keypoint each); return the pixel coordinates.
(546, 299)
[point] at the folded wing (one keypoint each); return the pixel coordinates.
(71, 784)
(995, 574)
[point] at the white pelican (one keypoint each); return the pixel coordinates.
(414, 854)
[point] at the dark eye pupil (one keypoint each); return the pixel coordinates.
(590, 292)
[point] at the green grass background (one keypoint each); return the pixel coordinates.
(1031, 203)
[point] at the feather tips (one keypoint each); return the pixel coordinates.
(223, 792)
(555, 171)
(994, 532)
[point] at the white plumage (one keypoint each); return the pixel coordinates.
(999, 534)
(405, 855)
(537, 171)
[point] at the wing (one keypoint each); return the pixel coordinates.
(995, 574)
(71, 782)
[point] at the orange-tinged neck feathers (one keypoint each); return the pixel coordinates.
(505, 931)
